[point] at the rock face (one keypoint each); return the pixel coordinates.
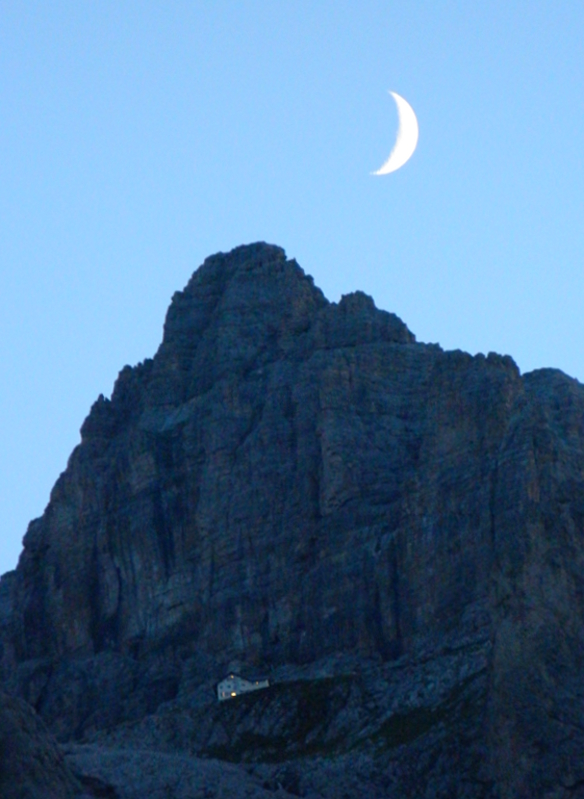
(31, 765)
(296, 488)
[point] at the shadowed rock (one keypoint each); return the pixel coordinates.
(301, 488)
(31, 764)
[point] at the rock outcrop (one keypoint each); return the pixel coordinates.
(299, 489)
(31, 764)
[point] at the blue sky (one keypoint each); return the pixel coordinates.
(136, 138)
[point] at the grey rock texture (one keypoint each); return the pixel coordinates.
(31, 764)
(298, 489)
(138, 773)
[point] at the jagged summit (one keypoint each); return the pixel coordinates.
(242, 310)
(256, 279)
(389, 532)
(251, 305)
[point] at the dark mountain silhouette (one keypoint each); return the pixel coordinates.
(298, 490)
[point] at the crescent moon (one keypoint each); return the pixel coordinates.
(407, 137)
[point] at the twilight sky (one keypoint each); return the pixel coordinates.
(138, 137)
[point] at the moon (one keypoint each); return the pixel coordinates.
(407, 137)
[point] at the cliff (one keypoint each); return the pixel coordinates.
(298, 489)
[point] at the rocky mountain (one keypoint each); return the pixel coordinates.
(297, 489)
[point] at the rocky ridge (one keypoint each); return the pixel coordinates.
(298, 489)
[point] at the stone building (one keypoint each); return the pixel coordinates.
(233, 685)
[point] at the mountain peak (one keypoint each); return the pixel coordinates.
(297, 486)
